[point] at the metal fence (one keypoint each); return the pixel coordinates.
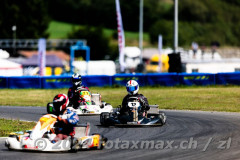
(33, 43)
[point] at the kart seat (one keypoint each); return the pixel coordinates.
(96, 98)
(82, 130)
(153, 109)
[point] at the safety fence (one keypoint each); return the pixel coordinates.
(161, 79)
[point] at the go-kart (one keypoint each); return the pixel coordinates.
(153, 117)
(42, 135)
(91, 104)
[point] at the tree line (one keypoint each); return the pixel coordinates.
(202, 21)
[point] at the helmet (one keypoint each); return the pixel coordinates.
(76, 79)
(60, 103)
(132, 87)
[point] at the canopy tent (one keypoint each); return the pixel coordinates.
(4, 54)
(51, 61)
(54, 65)
(8, 68)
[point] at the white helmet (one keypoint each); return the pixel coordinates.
(132, 87)
(76, 79)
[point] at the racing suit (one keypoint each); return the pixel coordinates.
(124, 112)
(74, 95)
(65, 125)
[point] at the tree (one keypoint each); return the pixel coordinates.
(193, 11)
(165, 28)
(30, 18)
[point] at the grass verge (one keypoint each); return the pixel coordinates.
(8, 126)
(212, 98)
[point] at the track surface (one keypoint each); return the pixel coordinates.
(187, 135)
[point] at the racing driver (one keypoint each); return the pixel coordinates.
(66, 119)
(74, 91)
(132, 89)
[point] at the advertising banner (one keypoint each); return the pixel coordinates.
(121, 38)
(42, 56)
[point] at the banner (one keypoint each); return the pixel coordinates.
(121, 38)
(42, 56)
(160, 52)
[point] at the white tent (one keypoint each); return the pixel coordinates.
(101, 67)
(4, 54)
(8, 68)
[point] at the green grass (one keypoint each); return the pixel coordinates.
(8, 126)
(60, 30)
(215, 98)
(211, 98)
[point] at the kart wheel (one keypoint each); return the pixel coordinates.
(103, 117)
(74, 145)
(7, 145)
(73, 151)
(102, 141)
(163, 117)
(110, 114)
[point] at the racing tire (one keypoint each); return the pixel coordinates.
(102, 141)
(163, 117)
(103, 117)
(8, 146)
(103, 104)
(74, 148)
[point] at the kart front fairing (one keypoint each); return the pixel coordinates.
(153, 117)
(93, 109)
(41, 134)
(117, 120)
(96, 107)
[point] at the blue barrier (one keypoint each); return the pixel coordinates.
(97, 80)
(196, 79)
(228, 78)
(162, 79)
(3, 82)
(24, 82)
(121, 79)
(56, 82)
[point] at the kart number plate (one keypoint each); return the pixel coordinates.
(133, 104)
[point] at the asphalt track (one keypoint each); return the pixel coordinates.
(186, 135)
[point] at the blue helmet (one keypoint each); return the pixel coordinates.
(132, 87)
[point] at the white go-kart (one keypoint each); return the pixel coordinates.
(91, 104)
(42, 136)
